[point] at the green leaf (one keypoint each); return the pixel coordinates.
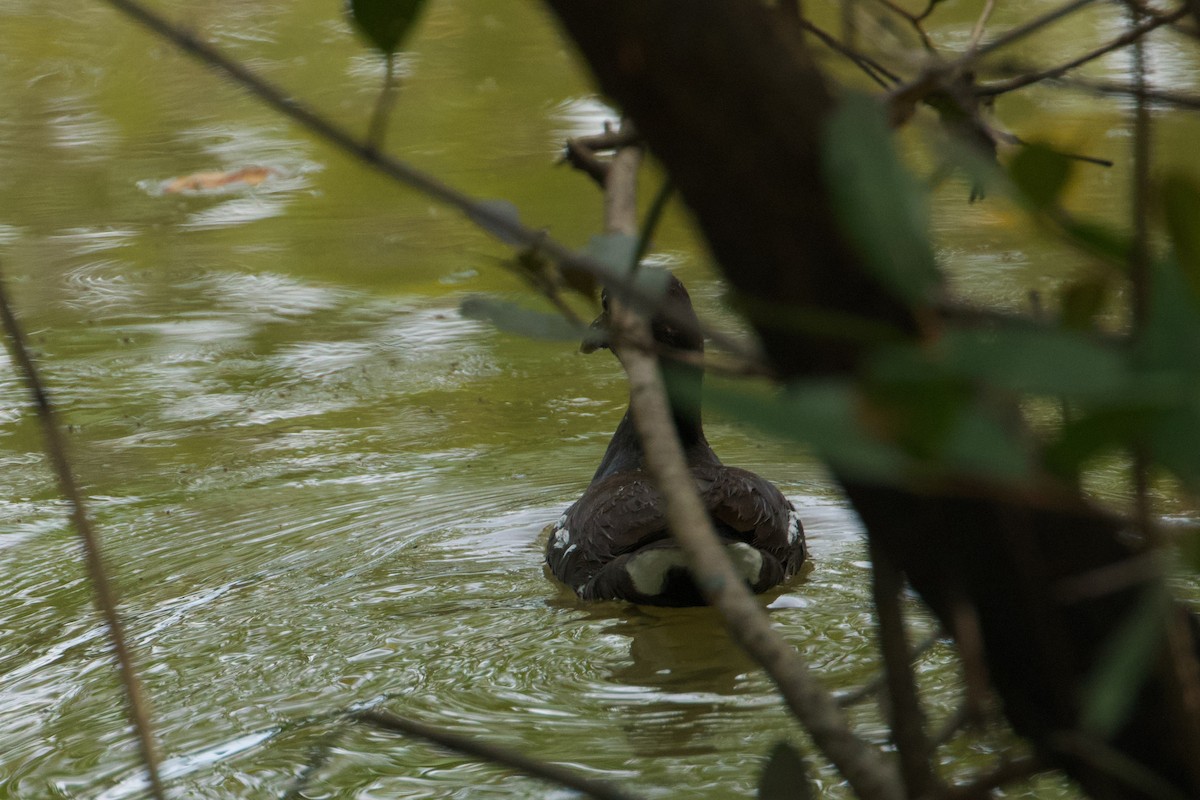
(512, 318)
(1174, 442)
(1125, 660)
(1171, 337)
(935, 414)
(981, 446)
(785, 776)
(1035, 361)
(1086, 437)
(821, 414)
(1181, 204)
(1040, 174)
(614, 250)
(918, 398)
(1111, 246)
(385, 22)
(880, 206)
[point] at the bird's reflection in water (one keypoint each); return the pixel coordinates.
(684, 679)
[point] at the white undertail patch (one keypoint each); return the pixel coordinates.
(648, 570)
(746, 561)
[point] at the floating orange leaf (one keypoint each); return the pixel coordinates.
(209, 181)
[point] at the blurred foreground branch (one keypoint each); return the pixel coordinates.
(497, 218)
(491, 753)
(863, 767)
(105, 597)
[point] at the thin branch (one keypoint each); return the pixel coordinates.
(1020, 32)
(582, 152)
(906, 716)
(377, 129)
(870, 776)
(914, 21)
(484, 751)
(1012, 138)
(318, 758)
(977, 32)
(1131, 36)
(1108, 760)
(1139, 270)
(1018, 769)
(1139, 249)
(105, 597)
(873, 69)
(650, 224)
(969, 638)
(941, 75)
(492, 218)
(583, 159)
(1161, 96)
(860, 693)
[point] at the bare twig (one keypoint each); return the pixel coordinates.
(1134, 34)
(1018, 769)
(377, 129)
(969, 638)
(653, 216)
(870, 776)
(1139, 250)
(907, 717)
(105, 597)
(1109, 579)
(318, 758)
(914, 20)
(1161, 96)
(867, 773)
(1012, 138)
(943, 75)
(872, 686)
(581, 157)
(977, 32)
(497, 221)
(1110, 761)
(485, 751)
(582, 152)
(873, 69)
(1020, 32)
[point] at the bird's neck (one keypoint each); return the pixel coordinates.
(684, 384)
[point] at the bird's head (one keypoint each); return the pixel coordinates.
(674, 325)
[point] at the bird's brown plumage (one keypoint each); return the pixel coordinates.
(613, 542)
